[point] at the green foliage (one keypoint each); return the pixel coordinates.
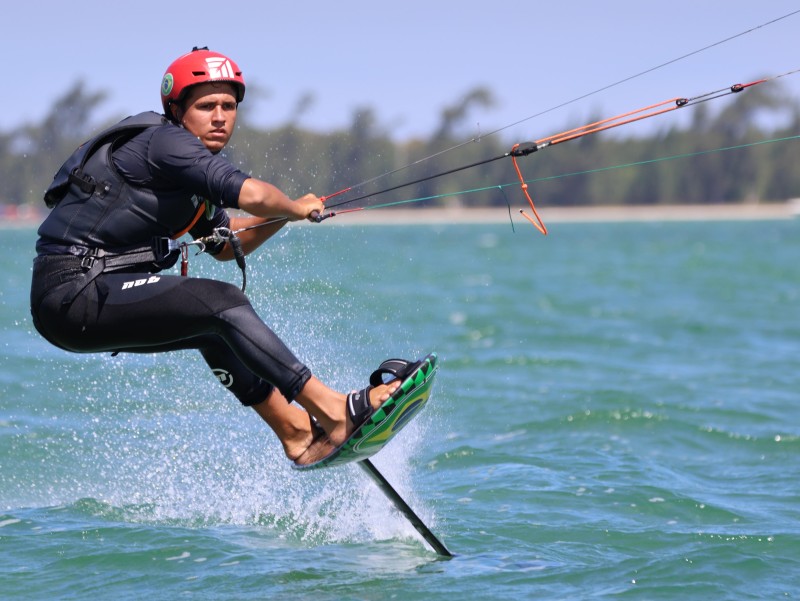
(30, 155)
(585, 171)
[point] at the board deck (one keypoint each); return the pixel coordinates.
(384, 424)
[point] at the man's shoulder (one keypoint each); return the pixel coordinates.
(170, 134)
(148, 120)
(140, 130)
(145, 119)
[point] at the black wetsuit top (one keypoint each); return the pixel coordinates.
(171, 182)
(169, 174)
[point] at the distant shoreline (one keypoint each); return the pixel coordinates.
(594, 214)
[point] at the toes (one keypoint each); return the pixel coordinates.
(386, 391)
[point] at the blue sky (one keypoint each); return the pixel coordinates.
(405, 60)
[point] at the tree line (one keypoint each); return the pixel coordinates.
(586, 171)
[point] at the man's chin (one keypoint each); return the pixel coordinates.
(214, 146)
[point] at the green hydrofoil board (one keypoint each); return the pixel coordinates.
(384, 424)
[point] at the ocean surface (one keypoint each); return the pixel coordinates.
(617, 415)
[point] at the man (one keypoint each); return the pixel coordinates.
(121, 198)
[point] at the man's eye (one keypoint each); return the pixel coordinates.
(226, 106)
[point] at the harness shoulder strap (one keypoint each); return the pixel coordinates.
(200, 210)
(71, 172)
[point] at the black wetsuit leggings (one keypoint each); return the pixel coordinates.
(147, 313)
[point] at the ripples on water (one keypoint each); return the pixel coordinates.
(616, 415)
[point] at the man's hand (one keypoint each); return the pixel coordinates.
(309, 206)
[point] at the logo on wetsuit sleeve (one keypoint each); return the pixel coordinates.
(224, 376)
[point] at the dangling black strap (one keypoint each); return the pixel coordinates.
(238, 254)
(223, 234)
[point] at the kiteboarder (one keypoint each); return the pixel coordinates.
(119, 204)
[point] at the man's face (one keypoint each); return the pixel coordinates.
(209, 112)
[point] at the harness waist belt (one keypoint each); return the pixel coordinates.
(97, 261)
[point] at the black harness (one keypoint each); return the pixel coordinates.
(88, 179)
(73, 171)
(88, 187)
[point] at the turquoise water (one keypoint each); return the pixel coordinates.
(616, 416)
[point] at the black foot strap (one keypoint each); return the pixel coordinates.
(358, 406)
(398, 368)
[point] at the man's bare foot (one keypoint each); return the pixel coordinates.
(291, 424)
(330, 410)
(324, 446)
(301, 443)
(345, 427)
(317, 450)
(295, 445)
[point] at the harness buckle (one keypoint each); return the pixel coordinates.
(89, 260)
(163, 247)
(85, 182)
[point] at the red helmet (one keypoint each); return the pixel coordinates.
(201, 65)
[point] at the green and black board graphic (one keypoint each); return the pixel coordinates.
(388, 420)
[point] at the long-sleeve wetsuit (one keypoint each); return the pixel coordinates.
(166, 182)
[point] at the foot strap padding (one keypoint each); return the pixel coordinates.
(397, 368)
(358, 406)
